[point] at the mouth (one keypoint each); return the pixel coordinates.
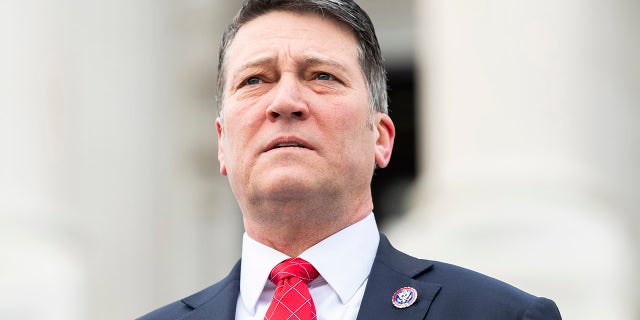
(288, 142)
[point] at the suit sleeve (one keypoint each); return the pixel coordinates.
(542, 309)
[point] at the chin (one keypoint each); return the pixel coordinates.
(287, 187)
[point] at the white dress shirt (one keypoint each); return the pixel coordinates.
(343, 260)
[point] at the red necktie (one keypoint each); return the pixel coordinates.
(292, 299)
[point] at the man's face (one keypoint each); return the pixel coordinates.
(296, 112)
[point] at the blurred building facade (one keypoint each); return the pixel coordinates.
(111, 203)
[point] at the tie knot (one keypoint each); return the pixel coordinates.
(293, 267)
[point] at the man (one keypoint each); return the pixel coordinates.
(303, 124)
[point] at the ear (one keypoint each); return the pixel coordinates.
(386, 133)
(223, 167)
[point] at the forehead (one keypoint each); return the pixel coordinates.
(292, 33)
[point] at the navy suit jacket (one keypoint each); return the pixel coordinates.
(445, 292)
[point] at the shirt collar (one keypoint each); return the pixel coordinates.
(344, 260)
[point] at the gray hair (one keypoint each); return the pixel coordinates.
(342, 11)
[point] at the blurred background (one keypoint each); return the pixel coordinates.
(518, 150)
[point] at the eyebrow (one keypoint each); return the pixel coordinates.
(316, 61)
(260, 62)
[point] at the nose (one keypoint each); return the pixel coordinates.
(288, 102)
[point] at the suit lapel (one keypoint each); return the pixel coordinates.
(391, 271)
(218, 301)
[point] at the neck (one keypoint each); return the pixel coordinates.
(294, 227)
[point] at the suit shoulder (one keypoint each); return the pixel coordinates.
(459, 278)
(171, 311)
(476, 291)
(178, 309)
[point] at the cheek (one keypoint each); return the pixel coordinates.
(346, 111)
(241, 122)
(234, 138)
(351, 134)
(242, 133)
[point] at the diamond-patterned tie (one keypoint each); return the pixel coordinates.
(292, 299)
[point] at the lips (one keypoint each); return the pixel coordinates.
(288, 142)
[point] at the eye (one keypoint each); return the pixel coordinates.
(252, 80)
(324, 76)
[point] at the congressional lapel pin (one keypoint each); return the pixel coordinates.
(404, 297)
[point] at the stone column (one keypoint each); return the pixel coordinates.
(154, 216)
(41, 271)
(531, 148)
(117, 100)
